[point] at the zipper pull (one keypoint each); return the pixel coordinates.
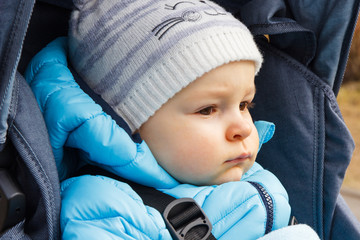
(293, 221)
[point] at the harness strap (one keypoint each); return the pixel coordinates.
(184, 218)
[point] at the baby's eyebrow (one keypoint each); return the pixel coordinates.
(214, 92)
(221, 92)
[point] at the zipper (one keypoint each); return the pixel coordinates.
(269, 206)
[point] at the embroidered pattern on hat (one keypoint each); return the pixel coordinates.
(186, 16)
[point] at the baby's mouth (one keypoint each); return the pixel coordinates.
(240, 159)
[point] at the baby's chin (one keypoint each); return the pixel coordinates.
(226, 180)
(217, 181)
(232, 175)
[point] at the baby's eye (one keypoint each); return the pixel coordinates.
(246, 105)
(207, 110)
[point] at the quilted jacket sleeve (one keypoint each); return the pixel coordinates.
(96, 207)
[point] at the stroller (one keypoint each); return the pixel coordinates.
(305, 56)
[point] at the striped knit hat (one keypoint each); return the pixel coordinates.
(137, 54)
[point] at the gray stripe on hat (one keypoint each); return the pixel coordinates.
(96, 29)
(96, 34)
(105, 84)
(110, 79)
(157, 54)
(102, 47)
(101, 51)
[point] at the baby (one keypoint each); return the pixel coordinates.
(204, 135)
(181, 74)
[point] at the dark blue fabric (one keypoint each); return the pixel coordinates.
(312, 147)
(22, 127)
(345, 225)
(16, 15)
(274, 19)
(17, 232)
(322, 29)
(333, 23)
(35, 169)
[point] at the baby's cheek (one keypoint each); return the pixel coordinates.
(190, 166)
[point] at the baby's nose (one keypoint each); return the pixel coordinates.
(239, 128)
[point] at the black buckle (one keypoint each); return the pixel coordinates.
(12, 201)
(184, 217)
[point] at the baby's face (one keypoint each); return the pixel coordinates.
(205, 135)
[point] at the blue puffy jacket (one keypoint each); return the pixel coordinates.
(97, 207)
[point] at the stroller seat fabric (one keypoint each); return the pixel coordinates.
(49, 128)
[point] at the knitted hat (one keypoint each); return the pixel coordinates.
(137, 54)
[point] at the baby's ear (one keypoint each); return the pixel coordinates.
(265, 130)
